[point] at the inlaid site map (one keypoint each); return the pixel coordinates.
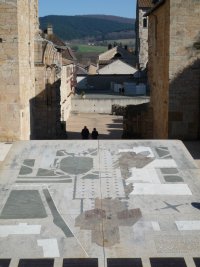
(99, 203)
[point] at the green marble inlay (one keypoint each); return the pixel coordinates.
(24, 204)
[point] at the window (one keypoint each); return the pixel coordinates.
(145, 24)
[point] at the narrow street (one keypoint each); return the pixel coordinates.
(108, 126)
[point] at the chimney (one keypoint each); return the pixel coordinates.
(109, 46)
(49, 29)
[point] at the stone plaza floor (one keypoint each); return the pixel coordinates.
(99, 203)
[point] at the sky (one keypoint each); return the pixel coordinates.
(123, 8)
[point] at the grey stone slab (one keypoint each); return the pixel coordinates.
(173, 178)
(23, 204)
(76, 165)
(169, 170)
(57, 218)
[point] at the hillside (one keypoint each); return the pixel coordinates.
(95, 27)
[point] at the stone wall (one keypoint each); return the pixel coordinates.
(67, 91)
(100, 105)
(158, 69)
(174, 69)
(46, 103)
(184, 69)
(143, 40)
(17, 30)
(137, 122)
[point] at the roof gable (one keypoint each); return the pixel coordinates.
(117, 67)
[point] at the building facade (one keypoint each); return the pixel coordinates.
(31, 73)
(174, 69)
(18, 27)
(141, 30)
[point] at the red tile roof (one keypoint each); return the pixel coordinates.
(145, 3)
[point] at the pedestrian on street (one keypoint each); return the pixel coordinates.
(85, 133)
(94, 134)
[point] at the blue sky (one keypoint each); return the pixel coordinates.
(123, 8)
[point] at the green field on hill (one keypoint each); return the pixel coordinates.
(83, 48)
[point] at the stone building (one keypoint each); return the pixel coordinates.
(141, 30)
(18, 28)
(67, 75)
(113, 54)
(45, 105)
(174, 68)
(32, 66)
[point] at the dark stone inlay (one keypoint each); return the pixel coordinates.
(162, 151)
(196, 205)
(91, 176)
(173, 179)
(45, 182)
(76, 165)
(23, 204)
(80, 263)
(197, 262)
(4, 262)
(57, 219)
(29, 162)
(171, 206)
(168, 262)
(45, 172)
(169, 170)
(124, 262)
(168, 157)
(25, 170)
(36, 263)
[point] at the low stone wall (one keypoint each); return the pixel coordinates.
(95, 105)
(138, 122)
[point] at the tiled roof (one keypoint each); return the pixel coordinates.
(66, 51)
(145, 3)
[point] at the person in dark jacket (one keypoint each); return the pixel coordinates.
(94, 134)
(85, 133)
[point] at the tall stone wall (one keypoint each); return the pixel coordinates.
(9, 74)
(66, 91)
(184, 69)
(143, 40)
(18, 22)
(158, 69)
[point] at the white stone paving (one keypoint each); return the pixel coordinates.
(50, 247)
(115, 207)
(20, 229)
(188, 225)
(4, 149)
(161, 189)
